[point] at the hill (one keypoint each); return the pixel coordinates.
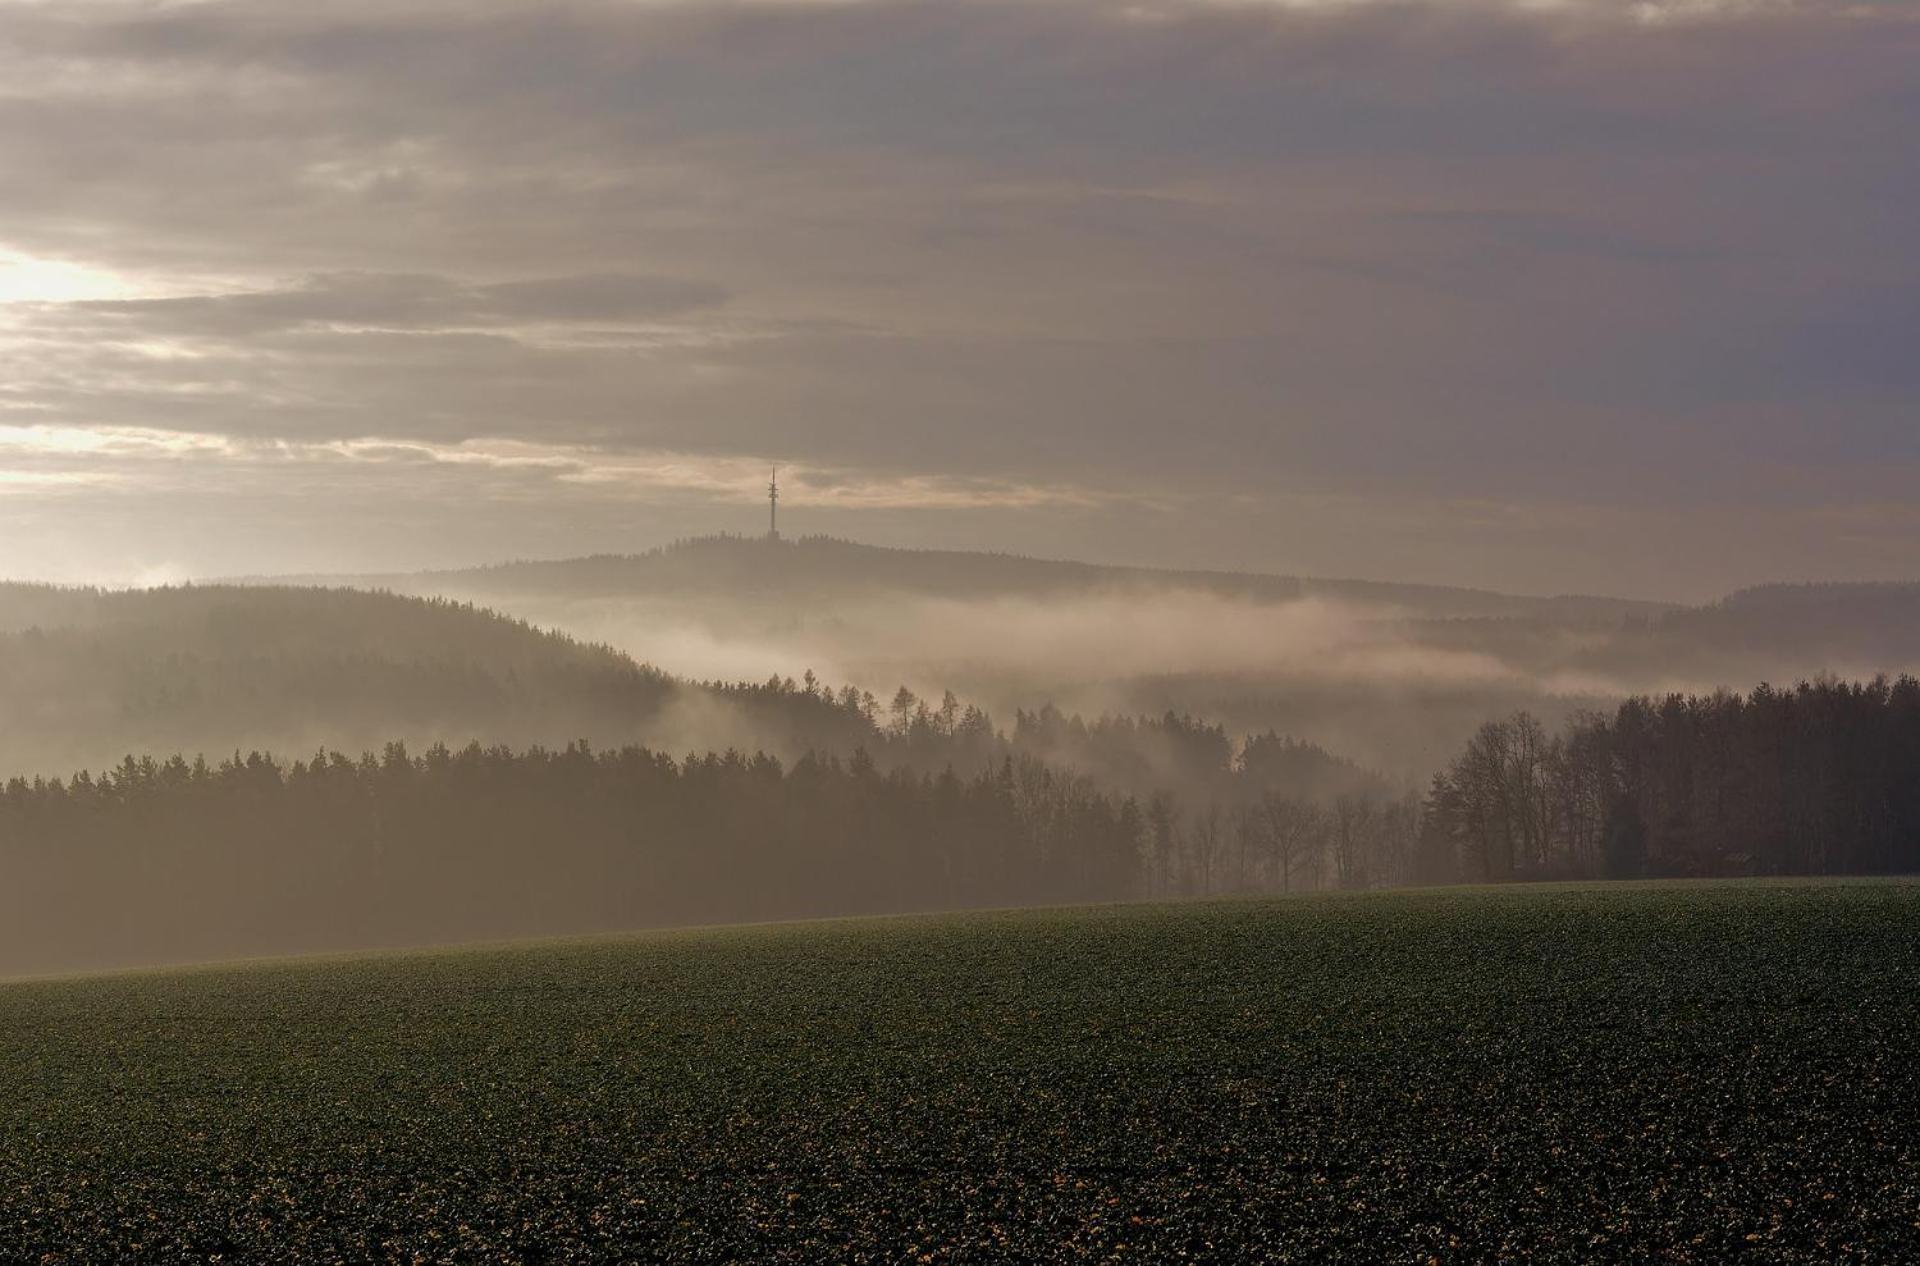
(1634, 1073)
(120, 682)
(1846, 627)
(1395, 675)
(817, 570)
(87, 676)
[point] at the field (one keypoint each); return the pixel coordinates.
(1683, 1072)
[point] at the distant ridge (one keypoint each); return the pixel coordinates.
(814, 567)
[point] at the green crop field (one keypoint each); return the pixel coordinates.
(1686, 1073)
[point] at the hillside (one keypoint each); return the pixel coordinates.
(87, 676)
(92, 677)
(1395, 675)
(1849, 627)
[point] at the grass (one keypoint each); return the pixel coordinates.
(1567, 1073)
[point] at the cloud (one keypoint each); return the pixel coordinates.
(396, 301)
(182, 461)
(1584, 254)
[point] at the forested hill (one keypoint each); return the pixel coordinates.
(292, 622)
(1398, 676)
(88, 675)
(812, 569)
(1865, 627)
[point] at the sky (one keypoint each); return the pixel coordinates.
(1554, 296)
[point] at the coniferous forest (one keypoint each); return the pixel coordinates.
(253, 854)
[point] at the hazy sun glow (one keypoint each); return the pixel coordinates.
(27, 279)
(116, 439)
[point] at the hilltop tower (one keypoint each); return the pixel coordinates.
(773, 506)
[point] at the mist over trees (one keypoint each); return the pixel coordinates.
(1397, 676)
(1266, 813)
(1105, 808)
(544, 802)
(89, 676)
(1821, 779)
(182, 859)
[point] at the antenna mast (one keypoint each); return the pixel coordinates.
(773, 506)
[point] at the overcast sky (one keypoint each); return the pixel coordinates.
(1548, 297)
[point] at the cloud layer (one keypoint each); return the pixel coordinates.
(1329, 286)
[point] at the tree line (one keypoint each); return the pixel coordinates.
(1269, 813)
(180, 858)
(1820, 779)
(183, 859)
(1173, 752)
(926, 805)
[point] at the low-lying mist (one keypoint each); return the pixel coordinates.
(1394, 675)
(926, 643)
(761, 708)
(1373, 682)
